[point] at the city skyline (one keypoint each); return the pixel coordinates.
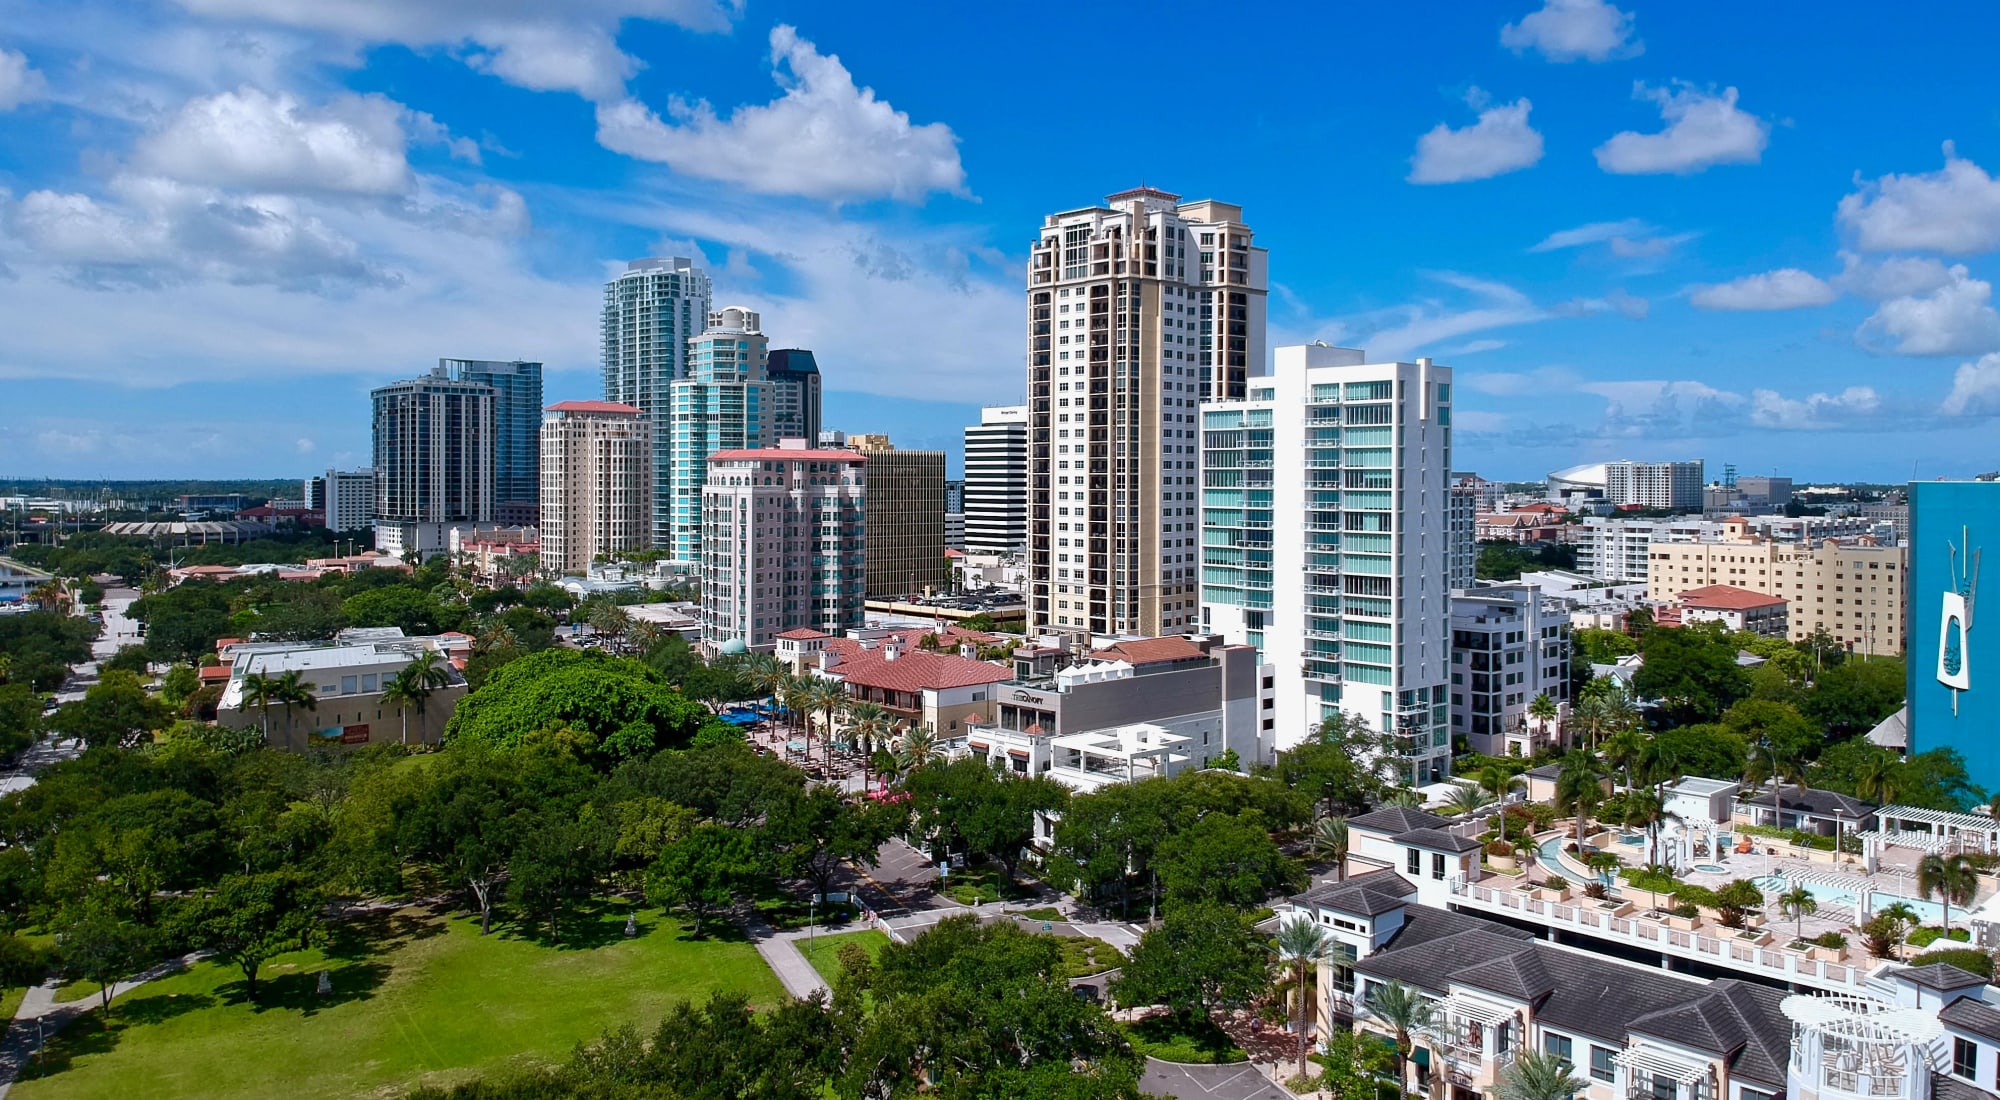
(1631, 237)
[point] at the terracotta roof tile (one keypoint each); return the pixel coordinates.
(916, 670)
(803, 634)
(593, 407)
(1728, 597)
(1151, 651)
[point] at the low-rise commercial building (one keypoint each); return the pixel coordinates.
(346, 679)
(1737, 609)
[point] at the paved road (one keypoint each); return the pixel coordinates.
(902, 881)
(1238, 1081)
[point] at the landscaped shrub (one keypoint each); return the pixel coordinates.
(1687, 893)
(1501, 848)
(1829, 939)
(1965, 958)
(1686, 910)
(1555, 882)
(1924, 937)
(1647, 878)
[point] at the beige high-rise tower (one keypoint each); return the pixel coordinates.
(1138, 310)
(597, 482)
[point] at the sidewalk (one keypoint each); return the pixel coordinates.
(781, 953)
(38, 1007)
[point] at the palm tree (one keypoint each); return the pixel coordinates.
(1798, 903)
(866, 723)
(261, 691)
(1329, 839)
(609, 620)
(425, 675)
(1467, 798)
(1499, 782)
(1646, 809)
(1403, 797)
(1302, 942)
(1579, 788)
(1878, 778)
(764, 672)
(401, 691)
(1543, 710)
(1954, 879)
(1405, 1012)
(1768, 761)
(797, 694)
(828, 697)
(1624, 750)
(50, 595)
(1538, 1075)
(918, 747)
(290, 690)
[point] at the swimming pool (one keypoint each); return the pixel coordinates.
(1928, 912)
(1713, 868)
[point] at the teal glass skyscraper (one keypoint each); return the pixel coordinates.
(722, 405)
(651, 313)
(517, 426)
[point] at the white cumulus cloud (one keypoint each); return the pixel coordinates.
(1770, 409)
(1703, 129)
(1785, 288)
(1975, 388)
(570, 46)
(1659, 407)
(1500, 142)
(824, 138)
(251, 138)
(18, 82)
(1955, 210)
(1574, 30)
(1895, 277)
(1954, 319)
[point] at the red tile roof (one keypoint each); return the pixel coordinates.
(916, 670)
(1728, 598)
(1151, 651)
(803, 634)
(593, 407)
(780, 454)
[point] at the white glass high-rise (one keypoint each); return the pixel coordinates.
(1325, 498)
(651, 311)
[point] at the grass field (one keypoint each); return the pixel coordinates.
(416, 998)
(825, 950)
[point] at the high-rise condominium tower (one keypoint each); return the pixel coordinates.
(517, 425)
(433, 461)
(1324, 533)
(996, 481)
(1137, 311)
(597, 482)
(783, 545)
(651, 312)
(794, 401)
(721, 405)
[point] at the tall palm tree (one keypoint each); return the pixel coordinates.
(1538, 1075)
(426, 674)
(261, 691)
(1954, 879)
(828, 698)
(866, 723)
(401, 691)
(1878, 778)
(1579, 788)
(1467, 798)
(1330, 839)
(918, 747)
(1499, 782)
(1623, 750)
(1544, 711)
(764, 673)
(50, 595)
(1767, 760)
(1798, 903)
(290, 690)
(1405, 1012)
(796, 693)
(1302, 942)
(1647, 810)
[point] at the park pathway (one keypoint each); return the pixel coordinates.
(781, 952)
(41, 1016)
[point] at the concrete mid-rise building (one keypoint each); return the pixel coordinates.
(433, 444)
(1325, 499)
(597, 483)
(996, 481)
(1138, 310)
(344, 498)
(1857, 593)
(517, 426)
(1664, 485)
(1759, 489)
(783, 542)
(1462, 528)
(1509, 645)
(792, 394)
(721, 405)
(906, 524)
(1620, 549)
(651, 314)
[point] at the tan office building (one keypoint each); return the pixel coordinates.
(597, 482)
(905, 518)
(1138, 311)
(1856, 593)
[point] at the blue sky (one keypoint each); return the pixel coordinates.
(1753, 233)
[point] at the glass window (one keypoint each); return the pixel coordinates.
(1437, 866)
(1601, 1068)
(1416, 863)
(1665, 1088)
(1557, 1045)
(1965, 1059)
(348, 685)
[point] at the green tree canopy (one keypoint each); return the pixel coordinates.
(1691, 671)
(625, 708)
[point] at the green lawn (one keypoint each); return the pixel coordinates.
(416, 998)
(824, 952)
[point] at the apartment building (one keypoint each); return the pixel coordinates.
(597, 483)
(651, 313)
(433, 445)
(1856, 593)
(346, 498)
(784, 534)
(1736, 609)
(1616, 549)
(722, 404)
(1138, 310)
(1509, 645)
(792, 403)
(1668, 485)
(517, 424)
(996, 481)
(1325, 498)
(906, 506)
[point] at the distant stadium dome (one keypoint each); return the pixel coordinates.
(188, 532)
(1578, 479)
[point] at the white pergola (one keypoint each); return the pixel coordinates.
(1863, 1047)
(1974, 832)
